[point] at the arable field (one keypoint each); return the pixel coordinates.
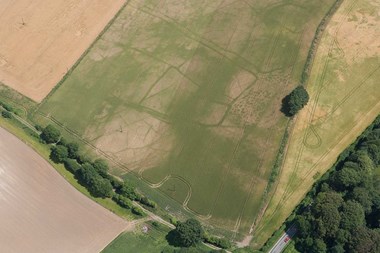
(187, 95)
(41, 40)
(344, 99)
(41, 212)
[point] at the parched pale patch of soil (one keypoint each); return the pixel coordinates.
(359, 33)
(139, 139)
(41, 40)
(41, 212)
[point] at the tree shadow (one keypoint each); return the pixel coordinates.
(285, 106)
(173, 238)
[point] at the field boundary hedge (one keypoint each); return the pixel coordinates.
(316, 41)
(276, 169)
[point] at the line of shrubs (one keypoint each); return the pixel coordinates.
(317, 37)
(7, 113)
(95, 177)
(222, 243)
(92, 174)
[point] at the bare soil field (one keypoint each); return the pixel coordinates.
(41, 212)
(41, 40)
(344, 99)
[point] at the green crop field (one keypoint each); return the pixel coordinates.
(344, 99)
(187, 95)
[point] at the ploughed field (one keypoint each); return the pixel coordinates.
(344, 99)
(41, 40)
(187, 95)
(41, 212)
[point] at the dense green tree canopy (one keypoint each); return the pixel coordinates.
(73, 149)
(72, 165)
(345, 213)
(295, 101)
(50, 134)
(101, 166)
(58, 153)
(97, 185)
(6, 114)
(352, 215)
(189, 232)
(128, 191)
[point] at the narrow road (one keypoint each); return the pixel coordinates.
(284, 240)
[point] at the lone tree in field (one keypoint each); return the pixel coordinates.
(50, 134)
(189, 233)
(295, 101)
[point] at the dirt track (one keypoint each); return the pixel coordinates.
(41, 212)
(41, 40)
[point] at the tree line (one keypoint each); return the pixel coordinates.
(92, 174)
(186, 237)
(95, 177)
(342, 211)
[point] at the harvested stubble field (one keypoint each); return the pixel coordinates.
(41, 212)
(187, 95)
(41, 40)
(344, 99)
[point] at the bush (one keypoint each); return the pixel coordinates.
(63, 142)
(58, 153)
(148, 202)
(122, 201)
(72, 165)
(129, 191)
(6, 114)
(82, 159)
(50, 134)
(7, 107)
(116, 183)
(295, 101)
(138, 211)
(101, 167)
(219, 242)
(38, 128)
(173, 221)
(73, 149)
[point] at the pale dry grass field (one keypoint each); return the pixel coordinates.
(41, 40)
(41, 212)
(344, 99)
